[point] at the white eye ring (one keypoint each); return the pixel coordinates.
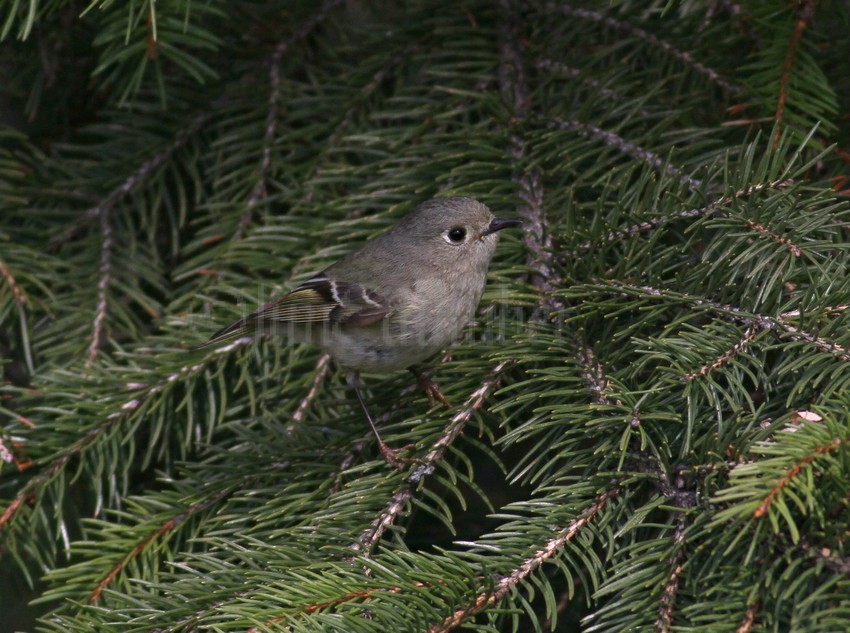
(455, 235)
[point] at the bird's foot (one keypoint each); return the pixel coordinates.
(431, 390)
(391, 456)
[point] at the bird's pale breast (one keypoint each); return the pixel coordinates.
(428, 315)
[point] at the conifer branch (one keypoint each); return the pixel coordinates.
(649, 38)
(711, 209)
(34, 486)
(686, 298)
(682, 497)
(384, 108)
(595, 378)
(135, 180)
(593, 375)
(357, 447)
(513, 85)
(627, 147)
(820, 343)
(305, 29)
(514, 89)
(766, 322)
(509, 581)
(685, 499)
(742, 21)
(455, 427)
(668, 596)
(354, 450)
(198, 615)
(323, 367)
(102, 286)
(793, 472)
(163, 530)
(750, 334)
(14, 454)
(387, 70)
(364, 595)
(749, 618)
(561, 69)
(259, 192)
(805, 15)
(773, 237)
(260, 189)
(6, 454)
(6, 274)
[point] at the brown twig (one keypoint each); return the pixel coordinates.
(750, 334)
(805, 15)
(749, 618)
(822, 344)
(684, 499)
(166, 527)
(761, 228)
(507, 582)
(6, 274)
(260, 189)
(14, 454)
(793, 472)
(561, 69)
(594, 377)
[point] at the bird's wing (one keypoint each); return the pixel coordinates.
(319, 300)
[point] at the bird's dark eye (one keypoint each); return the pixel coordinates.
(457, 234)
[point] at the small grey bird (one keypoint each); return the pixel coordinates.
(402, 297)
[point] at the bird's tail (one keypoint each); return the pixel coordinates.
(235, 330)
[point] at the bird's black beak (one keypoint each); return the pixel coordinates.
(498, 225)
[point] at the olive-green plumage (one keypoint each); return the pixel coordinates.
(399, 299)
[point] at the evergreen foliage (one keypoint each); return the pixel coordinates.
(651, 420)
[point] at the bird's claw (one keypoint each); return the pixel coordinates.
(431, 390)
(391, 456)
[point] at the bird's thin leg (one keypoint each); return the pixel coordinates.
(390, 455)
(429, 387)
